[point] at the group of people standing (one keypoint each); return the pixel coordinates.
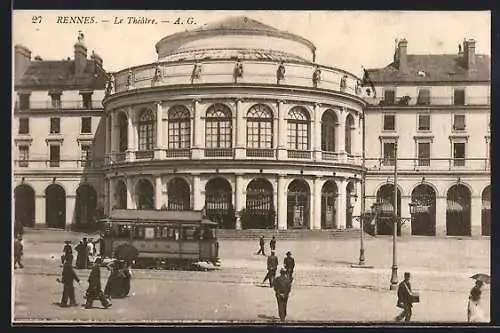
(117, 286)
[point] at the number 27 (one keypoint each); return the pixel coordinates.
(36, 19)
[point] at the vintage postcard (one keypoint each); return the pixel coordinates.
(251, 166)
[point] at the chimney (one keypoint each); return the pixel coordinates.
(470, 53)
(402, 55)
(97, 60)
(80, 55)
(22, 59)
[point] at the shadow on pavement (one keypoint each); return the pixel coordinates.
(268, 318)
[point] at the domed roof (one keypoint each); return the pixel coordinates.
(237, 23)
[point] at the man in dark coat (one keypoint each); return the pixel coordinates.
(94, 292)
(289, 264)
(68, 276)
(272, 244)
(405, 298)
(282, 288)
(18, 251)
(261, 245)
(272, 266)
(67, 252)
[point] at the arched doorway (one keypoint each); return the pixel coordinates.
(350, 199)
(24, 197)
(298, 203)
(328, 205)
(259, 213)
(218, 203)
(458, 213)
(86, 204)
(145, 195)
(385, 218)
(121, 195)
(55, 206)
(486, 212)
(423, 221)
(178, 194)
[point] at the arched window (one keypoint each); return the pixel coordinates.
(179, 127)
(328, 124)
(218, 129)
(122, 132)
(260, 127)
(349, 130)
(146, 130)
(298, 129)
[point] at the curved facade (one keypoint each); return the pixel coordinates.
(251, 131)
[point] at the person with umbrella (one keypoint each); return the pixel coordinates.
(94, 291)
(68, 276)
(474, 309)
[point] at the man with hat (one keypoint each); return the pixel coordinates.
(261, 246)
(68, 276)
(289, 264)
(94, 291)
(67, 251)
(282, 288)
(272, 266)
(405, 298)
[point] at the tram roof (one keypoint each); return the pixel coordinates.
(189, 216)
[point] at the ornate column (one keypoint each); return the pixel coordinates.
(476, 214)
(240, 130)
(282, 154)
(110, 193)
(109, 137)
(158, 192)
(441, 215)
(317, 133)
(340, 135)
(239, 199)
(130, 136)
(198, 198)
(316, 222)
(197, 130)
(341, 204)
(70, 210)
(40, 218)
(159, 147)
(131, 204)
(405, 213)
(282, 197)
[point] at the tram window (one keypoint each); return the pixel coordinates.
(208, 234)
(122, 231)
(139, 233)
(149, 233)
(169, 233)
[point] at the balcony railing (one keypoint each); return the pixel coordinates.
(437, 100)
(40, 164)
(218, 152)
(428, 164)
(71, 105)
(265, 153)
(144, 154)
(299, 154)
(329, 155)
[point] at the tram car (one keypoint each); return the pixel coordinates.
(160, 237)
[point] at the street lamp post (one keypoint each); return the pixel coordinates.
(394, 275)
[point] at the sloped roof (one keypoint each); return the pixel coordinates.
(61, 75)
(445, 67)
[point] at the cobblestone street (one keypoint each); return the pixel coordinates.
(325, 289)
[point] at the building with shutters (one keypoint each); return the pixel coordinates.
(434, 110)
(58, 139)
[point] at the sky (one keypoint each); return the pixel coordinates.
(344, 39)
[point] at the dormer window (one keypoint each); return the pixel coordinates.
(87, 100)
(389, 97)
(56, 100)
(459, 97)
(24, 101)
(424, 97)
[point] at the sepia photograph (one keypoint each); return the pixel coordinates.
(250, 167)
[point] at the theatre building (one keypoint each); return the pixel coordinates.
(430, 119)
(238, 119)
(56, 132)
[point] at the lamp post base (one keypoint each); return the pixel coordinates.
(394, 277)
(361, 265)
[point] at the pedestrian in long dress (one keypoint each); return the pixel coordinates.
(474, 310)
(68, 277)
(81, 255)
(261, 246)
(272, 266)
(18, 252)
(94, 291)
(282, 288)
(405, 300)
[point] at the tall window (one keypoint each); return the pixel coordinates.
(146, 130)
(55, 155)
(87, 100)
(85, 155)
(260, 127)
(24, 156)
(459, 96)
(389, 122)
(349, 129)
(179, 127)
(218, 128)
(389, 97)
(459, 122)
(424, 153)
(86, 125)
(298, 129)
(55, 125)
(24, 101)
(24, 125)
(424, 122)
(459, 153)
(328, 126)
(424, 97)
(56, 100)
(389, 153)
(123, 132)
